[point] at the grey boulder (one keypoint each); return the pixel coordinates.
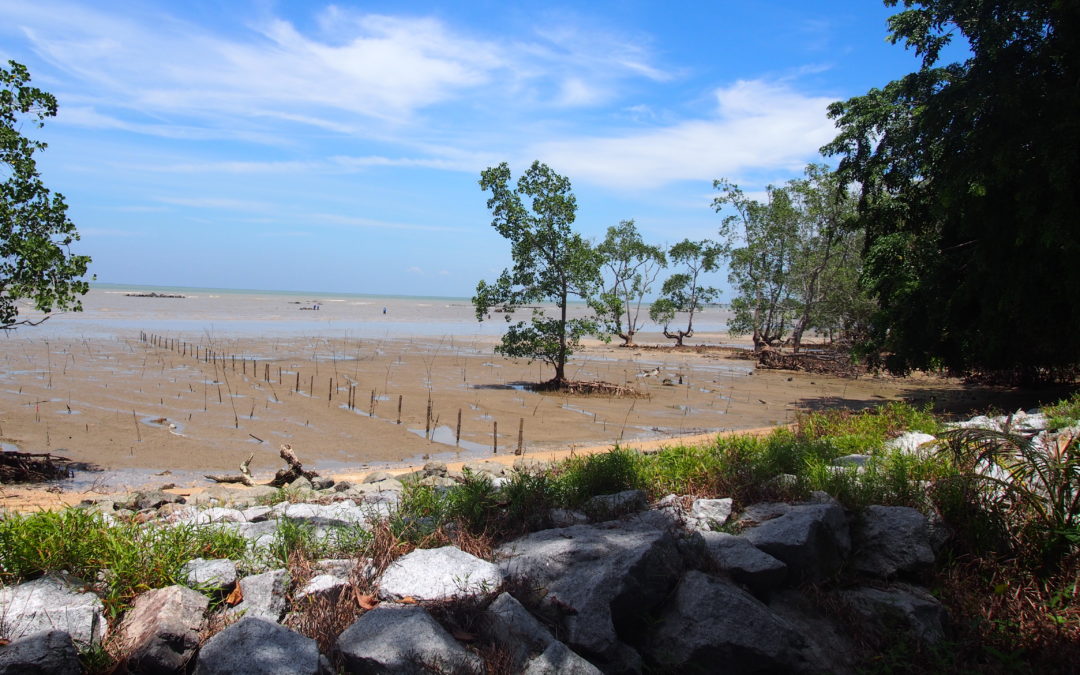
(254, 646)
(598, 583)
(263, 595)
(709, 514)
(712, 625)
(811, 539)
(558, 659)
(46, 653)
(746, 564)
(403, 639)
(901, 607)
(891, 540)
(215, 575)
(161, 632)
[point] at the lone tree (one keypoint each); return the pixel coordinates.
(682, 291)
(632, 267)
(968, 175)
(551, 264)
(36, 262)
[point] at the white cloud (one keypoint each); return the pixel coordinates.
(757, 125)
(367, 74)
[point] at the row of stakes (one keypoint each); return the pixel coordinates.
(207, 355)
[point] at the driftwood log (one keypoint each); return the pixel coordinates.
(283, 477)
(29, 467)
(244, 477)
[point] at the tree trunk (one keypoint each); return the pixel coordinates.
(560, 367)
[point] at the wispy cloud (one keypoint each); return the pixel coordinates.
(218, 203)
(356, 73)
(354, 221)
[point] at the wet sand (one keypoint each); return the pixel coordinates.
(142, 386)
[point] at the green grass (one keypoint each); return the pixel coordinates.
(298, 538)
(129, 558)
(1064, 413)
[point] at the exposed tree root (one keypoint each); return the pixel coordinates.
(28, 467)
(829, 363)
(593, 388)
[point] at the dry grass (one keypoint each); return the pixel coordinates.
(1013, 613)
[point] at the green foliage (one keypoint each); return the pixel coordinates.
(421, 511)
(850, 432)
(1033, 489)
(632, 267)
(604, 473)
(793, 264)
(300, 539)
(35, 232)
(132, 558)
(967, 175)
(474, 502)
(683, 291)
(551, 264)
(1064, 413)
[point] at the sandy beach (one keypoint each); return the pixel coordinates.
(146, 387)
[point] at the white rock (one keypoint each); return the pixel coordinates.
(52, 602)
(439, 574)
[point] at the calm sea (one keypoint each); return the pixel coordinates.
(125, 309)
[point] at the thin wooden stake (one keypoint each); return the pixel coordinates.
(458, 434)
(495, 437)
(399, 408)
(521, 436)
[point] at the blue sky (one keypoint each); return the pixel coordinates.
(337, 147)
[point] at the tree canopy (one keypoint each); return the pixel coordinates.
(684, 291)
(36, 262)
(794, 264)
(969, 178)
(552, 263)
(631, 267)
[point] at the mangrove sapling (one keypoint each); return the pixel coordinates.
(1032, 484)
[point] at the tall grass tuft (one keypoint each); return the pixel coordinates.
(125, 558)
(605, 473)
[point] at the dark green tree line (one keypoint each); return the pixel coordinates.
(969, 176)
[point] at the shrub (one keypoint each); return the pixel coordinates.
(1030, 487)
(605, 473)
